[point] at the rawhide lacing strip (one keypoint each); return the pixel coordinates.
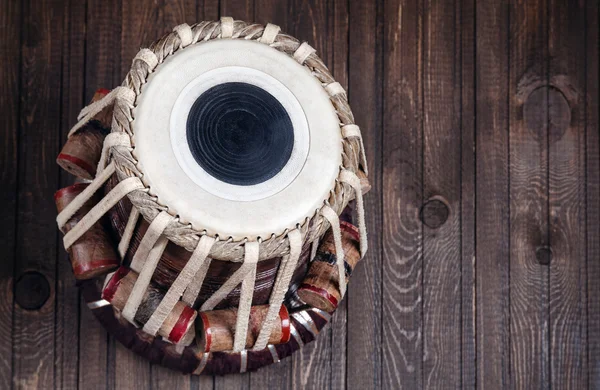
(110, 141)
(334, 89)
(155, 230)
(231, 283)
(123, 95)
(84, 196)
(184, 32)
(193, 287)
(148, 57)
(226, 27)
(353, 180)
(144, 262)
(354, 131)
(334, 220)
(108, 202)
(269, 34)
(176, 290)
(281, 286)
(246, 294)
(185, 235)
(302, 53)
(134, 215)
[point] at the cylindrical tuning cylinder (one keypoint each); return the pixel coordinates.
(177, 324)
(215, 330)
(321, 288)
(81, 153)
(94, 253)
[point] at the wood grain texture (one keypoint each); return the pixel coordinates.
(492, 209)
(441, 183)
(466, 20)
(102, 70)
(402, 241)
(364, 368)
(528, 196)
(486, 109)
(10, 49)
(566, 120)
(592, 215)
(67, 354)
(41, 56)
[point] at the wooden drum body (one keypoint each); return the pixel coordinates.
(214, 232)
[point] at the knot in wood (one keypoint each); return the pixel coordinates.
(434, 213)
(547, 112)
(543, 255)
(32, 290)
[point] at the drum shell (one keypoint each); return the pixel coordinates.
(175, 257)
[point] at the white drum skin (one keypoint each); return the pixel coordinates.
(228, 210)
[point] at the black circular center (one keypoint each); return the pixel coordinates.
(239, 133)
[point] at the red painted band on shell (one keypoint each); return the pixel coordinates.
(111, 287)
(182, 325)
(207, 331)
(93, 266)
(94, 253)
(102, 91)
(72, 189)
(79, 162)
(350, 229)
(320, 291)
(286, 332)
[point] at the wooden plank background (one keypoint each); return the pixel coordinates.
(481, 124)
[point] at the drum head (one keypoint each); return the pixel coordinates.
(236, 138)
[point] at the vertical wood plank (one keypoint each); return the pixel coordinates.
(36, 239)
(402, 334)
(278, 375)
(528, 196)
(466, 29)
(238, 9)
(312, 363)
(566, 118)
(207, 10)
(492, 214)
(10, 51)
(102, 70)
(440, 213)
(273, 11)
(364, 295)
(592, 98)
(67, 294)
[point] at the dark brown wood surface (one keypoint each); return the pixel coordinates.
(481, 124)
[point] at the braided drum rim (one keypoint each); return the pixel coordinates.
(185, 235)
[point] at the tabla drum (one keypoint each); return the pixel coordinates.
(211, 226)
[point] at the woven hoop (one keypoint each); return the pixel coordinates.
(225, 248)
